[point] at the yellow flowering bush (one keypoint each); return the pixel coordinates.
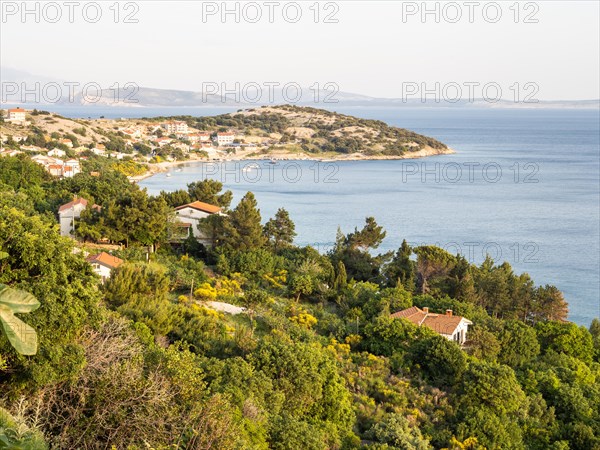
(304, 319)
(205, 292)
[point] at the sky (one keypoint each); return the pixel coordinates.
(546, 49)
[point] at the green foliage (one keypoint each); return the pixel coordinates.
(401, 270)
(385, 336)
(21, 336)
(153, 366)
(139, 291)
(280, 231)
(43, 263)
(16, 435)
(442, 361)
(242, 229)
(208, 191)
(21, 173)
(567, 338)
(396, 431)
(433, 264)
(518, 344)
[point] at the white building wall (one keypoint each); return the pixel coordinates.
(66, 219)
(194, 216)
(101, 270)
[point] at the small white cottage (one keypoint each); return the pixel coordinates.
(448, 325)
(188, 217)
(103, 264)
(67, 214)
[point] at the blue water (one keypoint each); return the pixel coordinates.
(528, 192)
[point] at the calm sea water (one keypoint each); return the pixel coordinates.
(524, 187)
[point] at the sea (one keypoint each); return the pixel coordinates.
(522, 187)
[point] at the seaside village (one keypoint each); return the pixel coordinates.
(63, 159)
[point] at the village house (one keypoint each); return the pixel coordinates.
(223, 139)
(56, 170)
(188, 217)
(57, 153)
(175, 127)
(68, 212)
(72, 166)
(9, 152)
(16, 115)
(103, 264)
(453, 328)
(66, 142)
(198, 137)
(133, 133)
(46, 160)
(162, 141)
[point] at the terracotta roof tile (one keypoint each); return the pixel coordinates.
(77, 201)
(105, 259)
(201, 206)
(440, 323)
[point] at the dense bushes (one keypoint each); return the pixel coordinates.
(314, 362)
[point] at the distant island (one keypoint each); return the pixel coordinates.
(148, 145)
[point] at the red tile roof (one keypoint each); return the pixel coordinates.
(105, 259)
(16, 110)
(440, 323)
(201, 206)
(77, 201)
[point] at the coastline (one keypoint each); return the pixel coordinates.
(163, 167)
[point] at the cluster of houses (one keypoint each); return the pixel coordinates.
(176, 134)
(186, 222)
(56, 166)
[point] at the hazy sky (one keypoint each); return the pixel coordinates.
(375, 49)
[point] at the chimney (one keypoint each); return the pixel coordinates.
(449, 312)
(426, 310)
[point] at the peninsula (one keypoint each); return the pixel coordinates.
(140, 147)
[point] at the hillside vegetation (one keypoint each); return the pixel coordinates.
(275, 131)
(318, 130)
(315, 362)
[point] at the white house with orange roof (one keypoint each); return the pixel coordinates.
(68, 212)
(67, 142)
(189, 216)
(73, 165)
(16, 115)
(103, 264)
(453, 328)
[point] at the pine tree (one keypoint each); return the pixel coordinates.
(207, 191)
(402, 269)
(242, 230)
(280, 230)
